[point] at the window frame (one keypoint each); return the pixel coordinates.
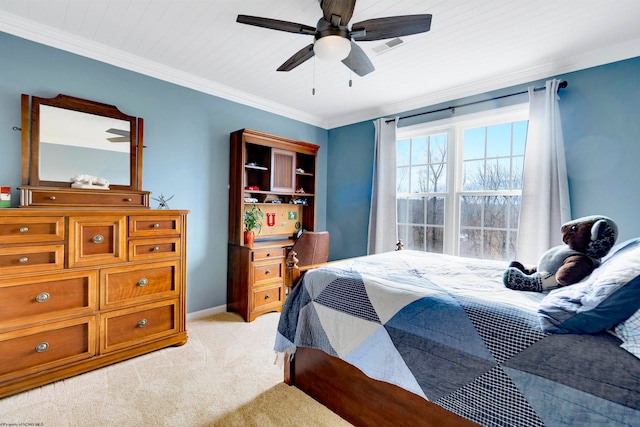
(455, 127)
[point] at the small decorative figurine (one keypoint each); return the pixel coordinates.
(162, 201)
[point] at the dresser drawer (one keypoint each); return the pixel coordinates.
(262, 254)
(97, 240)
(43, 347)
(150, 225)
(266, 272)
(148, 249)
(45, 297)
(28, 259)
(266, 298)
(31, 230)
(72, 197)
(142, 283)
(138, 325)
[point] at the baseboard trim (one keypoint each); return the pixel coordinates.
(206, 312)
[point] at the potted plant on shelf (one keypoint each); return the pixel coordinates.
(252, 221)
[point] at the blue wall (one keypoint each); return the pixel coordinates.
(186, 132)
(600, 119)
(187, 135)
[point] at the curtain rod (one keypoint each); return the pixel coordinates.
(563, 84)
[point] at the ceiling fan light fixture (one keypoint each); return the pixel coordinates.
(332, 48)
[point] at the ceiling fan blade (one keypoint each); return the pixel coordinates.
(391, 27)
(358, 61)
(298, 58)
(341, 8)
(276, 24)
(118, 139)
(120, 132)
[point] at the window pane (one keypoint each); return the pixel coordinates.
(415, 238)
(438, 148)
(416, 211)
(499, 140)
(438, 177)
(402, 180)
(403, 152)
(474, 143)
(470, 243)
(519, 137)
(517, 167)
(435, 240)
(435, 210)
(494, 245)
(401, 205)
(473, 175)
(471, 211)
(498, 174)
(496, 209)
(419, 179)
(514, 215)
(419, 151)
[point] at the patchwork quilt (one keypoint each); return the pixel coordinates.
(446, 329)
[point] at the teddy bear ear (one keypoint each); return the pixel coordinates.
(599, 228)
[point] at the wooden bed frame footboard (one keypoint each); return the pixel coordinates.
(362, 401)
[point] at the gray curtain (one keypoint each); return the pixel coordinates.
(383, 228)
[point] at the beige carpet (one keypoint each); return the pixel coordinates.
(224, 376)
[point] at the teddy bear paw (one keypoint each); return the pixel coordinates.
(518, 281)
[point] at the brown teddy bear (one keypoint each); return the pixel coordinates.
(586, 240)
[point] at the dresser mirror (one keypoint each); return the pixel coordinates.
(72, 136)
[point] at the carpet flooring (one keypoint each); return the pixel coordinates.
(225, 375)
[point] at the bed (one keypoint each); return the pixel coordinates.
(410, 338)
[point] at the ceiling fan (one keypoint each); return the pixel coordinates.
(125, 136)
(333, 38)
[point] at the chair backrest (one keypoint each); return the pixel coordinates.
(312, 247)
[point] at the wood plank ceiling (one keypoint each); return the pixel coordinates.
(474, 46)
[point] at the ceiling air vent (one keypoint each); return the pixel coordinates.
(387, 46)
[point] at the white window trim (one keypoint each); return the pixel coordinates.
(455, 127)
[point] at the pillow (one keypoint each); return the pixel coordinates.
(629, 332)
(610, 295)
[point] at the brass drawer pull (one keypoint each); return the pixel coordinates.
(24, 229)
(127, 199)
(267, 296)
(156, 225)
(98, 238)
(43, 297)
(267, 272)
(23, 259)
(52, 197)
(156, 248)
(142, 323)
(143, 282)
(42, 347)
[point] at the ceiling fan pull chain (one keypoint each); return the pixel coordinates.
(350, 81)
(313, 90)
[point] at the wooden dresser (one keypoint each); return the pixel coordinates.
(84, 288)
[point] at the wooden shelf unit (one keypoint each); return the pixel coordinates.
(266, 167)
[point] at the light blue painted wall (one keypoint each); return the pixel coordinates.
(601, 129)
(187, 139)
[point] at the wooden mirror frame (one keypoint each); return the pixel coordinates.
(31, 138)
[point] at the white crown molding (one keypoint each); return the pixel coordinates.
(614, 53)
(48, 36)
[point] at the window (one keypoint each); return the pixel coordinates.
(459, 184)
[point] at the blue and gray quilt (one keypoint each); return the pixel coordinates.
(446, 329)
